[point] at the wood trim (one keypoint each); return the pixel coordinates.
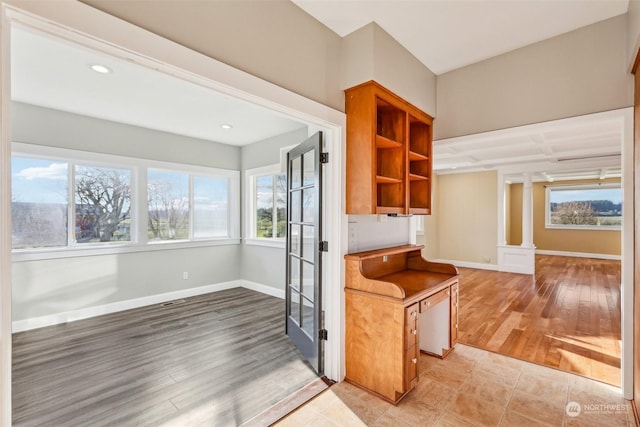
(636, 233)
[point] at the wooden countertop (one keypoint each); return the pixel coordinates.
(397, 272)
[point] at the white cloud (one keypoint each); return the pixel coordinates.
(55, 171)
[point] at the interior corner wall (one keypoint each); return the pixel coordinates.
(606, 242)
(466, 207)
(370, 53)
(261, 264)
(274, 40)
(581, 72)
(49, 287)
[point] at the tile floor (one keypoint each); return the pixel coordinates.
(473, 387)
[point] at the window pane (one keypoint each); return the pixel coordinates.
(168, 205)
(39, 203)
(211, 207)
(264, 206)
(281, 204)
(103, 204)
(590, 207)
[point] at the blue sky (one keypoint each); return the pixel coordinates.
(45, 181)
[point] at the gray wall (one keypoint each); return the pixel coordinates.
(581, 72)
(52, 286)
(274, 40)
(44, 126)
(370, 53)
(260, 264)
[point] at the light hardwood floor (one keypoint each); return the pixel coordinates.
(216, 359)
(566, 317)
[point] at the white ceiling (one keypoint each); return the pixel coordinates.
(449, 34)
(57, 74)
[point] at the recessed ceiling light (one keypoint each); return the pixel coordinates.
(226, 126)
(102, 69)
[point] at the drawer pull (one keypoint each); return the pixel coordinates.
(414, 360)
(447, 292)
(414, 313)
(414, 332)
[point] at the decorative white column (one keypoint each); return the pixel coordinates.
(527, 212)
(512, 258)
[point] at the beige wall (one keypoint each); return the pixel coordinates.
(515, 215)
(584, 71)
(274, 40)
(466, 215)
(607, 242)
(370, 53)
(430, 239)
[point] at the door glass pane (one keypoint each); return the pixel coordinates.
(294, 264)
(294, 306)
(308, 208)
(296, 173)
(295, 240)
(308, 280)
(308, 250)
(309, 163)
(307, 318)
(295, 206)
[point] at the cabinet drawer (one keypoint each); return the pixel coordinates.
(411, 335)
(411, 314)
(434, 299)
(411, 367)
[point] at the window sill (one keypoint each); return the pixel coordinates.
(23, 255)
(581, 227)
(270, 243)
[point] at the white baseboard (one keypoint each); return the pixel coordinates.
(259, 287)
(579, 254)
(477, 265)
(85, 313)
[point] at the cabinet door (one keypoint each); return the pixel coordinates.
(411, 347)
(454, 314)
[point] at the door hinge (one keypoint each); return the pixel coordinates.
(322, 334)
(324, 157)
(324, 246)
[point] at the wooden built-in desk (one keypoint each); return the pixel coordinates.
(395, 306)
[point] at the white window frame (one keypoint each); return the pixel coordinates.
(250, 218)
(139, 215)
(547, 206)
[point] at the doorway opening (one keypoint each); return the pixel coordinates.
(284, 108)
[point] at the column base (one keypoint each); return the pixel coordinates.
(516, 259)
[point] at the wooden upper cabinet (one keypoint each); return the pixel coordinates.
(389, 160)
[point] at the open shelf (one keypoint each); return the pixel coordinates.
(388, 153)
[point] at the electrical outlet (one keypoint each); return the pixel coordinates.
(185, 275)
(486, 260)
(384, 258)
